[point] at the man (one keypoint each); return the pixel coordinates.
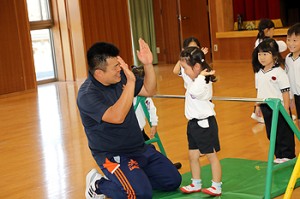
(132, 168)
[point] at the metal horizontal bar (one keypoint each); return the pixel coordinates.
(241, 99)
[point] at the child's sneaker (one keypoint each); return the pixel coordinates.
(90, 189)
(190, 189)
(284, 160)
(277, 161)
(281, 160)
(258, 119)
(212, 191)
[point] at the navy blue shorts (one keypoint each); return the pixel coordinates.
(204, 139)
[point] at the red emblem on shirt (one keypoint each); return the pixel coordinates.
(273, 78)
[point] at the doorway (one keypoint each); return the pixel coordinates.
(176, 20)
(194, 21)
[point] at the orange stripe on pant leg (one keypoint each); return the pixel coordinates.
(110, 166)
(122, 181)
(125, 183)
(113, 168)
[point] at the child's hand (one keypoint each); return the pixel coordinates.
(204, 50)
(153, 131)
(206, 73)
(128, 73)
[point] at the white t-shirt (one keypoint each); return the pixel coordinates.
(186, 79)
(281, 45)
(270, 83)
(141, 117)
(197, 98)
(292, 68)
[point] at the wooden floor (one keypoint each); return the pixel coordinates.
(44, 152)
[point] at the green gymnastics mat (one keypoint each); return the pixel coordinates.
(242, 179)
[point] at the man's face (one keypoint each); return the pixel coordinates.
(112, 74)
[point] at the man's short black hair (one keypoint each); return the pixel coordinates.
(98, 53)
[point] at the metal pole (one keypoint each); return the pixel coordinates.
(241, 99)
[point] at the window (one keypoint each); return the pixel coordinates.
(38, 10)
(39, 14)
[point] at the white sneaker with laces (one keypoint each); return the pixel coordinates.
(90, 189)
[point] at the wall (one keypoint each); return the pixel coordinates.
(63, 41)
(221, 20)
(167, 30)
(232, 48)
(229, 49)
(16, 58)
(79, 24)
(107, 21)
(159, 30)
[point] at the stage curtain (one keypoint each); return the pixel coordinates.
(251, 10)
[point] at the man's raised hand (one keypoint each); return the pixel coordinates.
(144, 54)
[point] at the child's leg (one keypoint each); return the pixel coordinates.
(297, 105)
(215, 167)
(285, 139)
(267, 113)
(194, 163)
(197, 137)
(196, 184)
(216, 186)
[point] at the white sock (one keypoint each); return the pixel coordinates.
(197, 183)
(217, 185)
